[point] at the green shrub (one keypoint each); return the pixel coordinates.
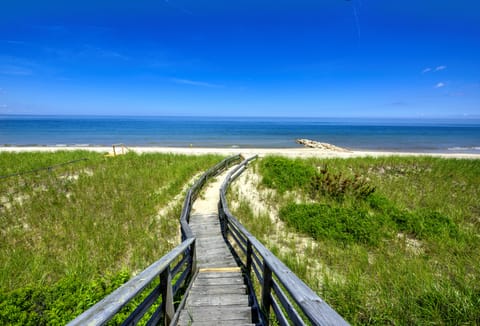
(338, 185)
(286, 174)
(56, 304)
(433, 281)
(322, 221)
(421, 223)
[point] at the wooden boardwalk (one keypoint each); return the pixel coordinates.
(218, 295)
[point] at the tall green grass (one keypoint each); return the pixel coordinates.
(84, 224)
(404, 252)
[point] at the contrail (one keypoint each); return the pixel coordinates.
(357, 22)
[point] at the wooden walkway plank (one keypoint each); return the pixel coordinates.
(218, 295)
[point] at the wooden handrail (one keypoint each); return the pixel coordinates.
(104, 310)
(268, 268)
(107, 308)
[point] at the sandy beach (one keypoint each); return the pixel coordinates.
(289, 152)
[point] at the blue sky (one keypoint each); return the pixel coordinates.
(331, 58)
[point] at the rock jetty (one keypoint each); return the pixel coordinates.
(323, 146)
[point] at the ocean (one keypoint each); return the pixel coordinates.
(408, 135)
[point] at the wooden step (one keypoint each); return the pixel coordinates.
(214, 315)
(218, 295)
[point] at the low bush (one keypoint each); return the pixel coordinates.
(405, 254)
(337, 185)
(421, 223)
(346, 225)
(286, 174)
(55, 304)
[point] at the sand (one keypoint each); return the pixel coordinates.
(247, 152)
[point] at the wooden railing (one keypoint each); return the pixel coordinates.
(282, 292)
(178, 265)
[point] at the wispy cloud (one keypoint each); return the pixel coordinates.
(195, 83)
(438, 68)
(399, 103)
(14, 42)
(14, 70)
(18, 66)
(439, 85)
(52, 28)
(93, 51)
(4, 109)
(176, 7)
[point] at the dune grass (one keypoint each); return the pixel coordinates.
(72, 234)
(393, 240)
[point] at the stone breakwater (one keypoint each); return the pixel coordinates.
(322, 146)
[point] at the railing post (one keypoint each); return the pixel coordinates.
(167, 296)
(226, 225)
(249, 257)
(266, 290)
(221, 216)
(223, 220)
(193, 257)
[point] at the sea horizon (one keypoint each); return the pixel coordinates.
(420, 134)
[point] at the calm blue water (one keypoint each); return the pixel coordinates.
(368, 134)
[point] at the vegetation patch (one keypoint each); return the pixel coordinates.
(337, 185)
(56, 304)
(396, 240)
(286, 174)
(81, 224)
(321, 221)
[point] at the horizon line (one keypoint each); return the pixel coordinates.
(418, 117)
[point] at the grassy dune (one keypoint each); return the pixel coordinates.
(72, 234)
(383, 240)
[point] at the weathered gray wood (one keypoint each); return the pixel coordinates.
(249, 258)
(219, 283)
(220, 315)
(231, 289)
(221, 322)
(223, 263)
(216, 314)
(217, 300)
(218, 274)
(266, 289)
(219, 312)
(317, 311)
(167, 295)
(104, 310)
(215, 251)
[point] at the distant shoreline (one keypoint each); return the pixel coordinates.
(289, 152)
(371, 135)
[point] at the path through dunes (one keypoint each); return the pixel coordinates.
(218, 294)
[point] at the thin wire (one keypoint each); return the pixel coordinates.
(42, 169)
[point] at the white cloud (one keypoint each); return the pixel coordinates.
(439, 85)
(438, 68)
(195, 83)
